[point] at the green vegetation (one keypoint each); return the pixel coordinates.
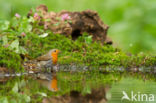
(132, 27)
(132, 23)
(23, 36)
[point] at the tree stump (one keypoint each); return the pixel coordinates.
(74, 24)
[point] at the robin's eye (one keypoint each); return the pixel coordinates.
(55, 51)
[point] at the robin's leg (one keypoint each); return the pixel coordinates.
(54, 68)
(48, 70)
(48, 66)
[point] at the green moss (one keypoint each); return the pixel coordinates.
(9, 59)
(77, 51)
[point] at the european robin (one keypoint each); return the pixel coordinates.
(46, 61)
(49, 60)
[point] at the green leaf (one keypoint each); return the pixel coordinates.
(13, 101)
(15, 88)
(5, 25)
(86, 90)
(21, 84)
(3, 100)
(47, 20)
(26, 98)
(15, 46)
(22, 50)
(4, 40)
(43, 35)
(15, 22)
(70, 21)
(31, 19)
(42, 94)
(56, 24)
(29, 28)
(88, 39)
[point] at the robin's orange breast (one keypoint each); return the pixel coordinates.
(54, 58)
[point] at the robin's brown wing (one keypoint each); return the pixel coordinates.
(44, 57)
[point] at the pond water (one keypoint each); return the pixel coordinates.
(136, 90)
(84, 87)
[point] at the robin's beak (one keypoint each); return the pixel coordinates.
(59, 51)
